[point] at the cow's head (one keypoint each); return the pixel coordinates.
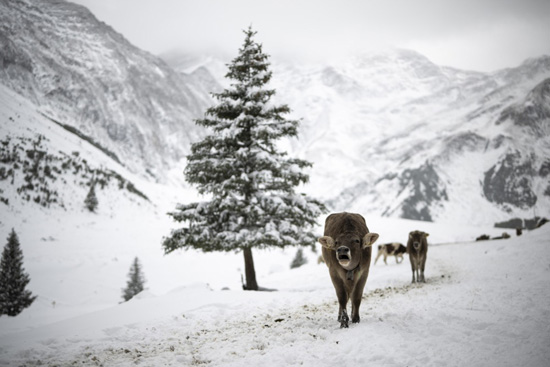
(348, 247)
(416, 238)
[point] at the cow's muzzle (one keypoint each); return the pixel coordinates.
(416, 245)
(343, 254)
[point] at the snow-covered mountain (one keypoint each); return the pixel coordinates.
(83, 74)
(389, 133)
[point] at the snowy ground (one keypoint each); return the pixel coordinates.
(484, 303)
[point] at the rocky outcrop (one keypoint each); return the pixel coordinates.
(533, 112)
(425, 189)
(510, 182)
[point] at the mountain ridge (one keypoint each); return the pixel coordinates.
(389, 133)
(84, 74)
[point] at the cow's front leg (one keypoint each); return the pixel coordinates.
(343, 297)
(414, 268)
(343, 318)
(356, 298)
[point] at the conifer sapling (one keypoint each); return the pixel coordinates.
(298, 260)
(136, 281)
(13, 279)
(91, 200)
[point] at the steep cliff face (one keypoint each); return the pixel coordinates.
(81, 72)
(532, 113)
(509, 181)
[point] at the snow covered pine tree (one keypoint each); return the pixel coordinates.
(250, 183)
(13, 279)
(136, 281)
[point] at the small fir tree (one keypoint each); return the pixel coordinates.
(136, 281)
(299, 259)
(91, 200)
(250, 182)
(14, 298)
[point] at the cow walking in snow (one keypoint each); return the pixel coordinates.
(391, 249)
(347, 248)
(417, 247)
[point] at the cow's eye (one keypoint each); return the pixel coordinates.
(336, 242)
(357, 241)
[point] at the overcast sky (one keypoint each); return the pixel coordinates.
(482, 35)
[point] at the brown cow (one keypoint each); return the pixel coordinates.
(391, 249)
(347, 248)
(417, 247)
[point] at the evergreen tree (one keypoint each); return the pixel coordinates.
(13, 279)
(299, 259)
(136, 281)
(91, 200)
(250, 183)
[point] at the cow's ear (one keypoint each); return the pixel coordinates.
(369, 239)
(326, 241)
(426, 234)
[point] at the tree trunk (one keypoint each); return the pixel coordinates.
(250, 273)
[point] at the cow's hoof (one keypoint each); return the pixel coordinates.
(344, 319)
(356, 320)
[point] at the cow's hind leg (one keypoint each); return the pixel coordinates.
(413, 268)
(422, 265)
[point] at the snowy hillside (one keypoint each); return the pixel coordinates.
(82, 73)
(408, 138)
(44, 166)
(391, 133)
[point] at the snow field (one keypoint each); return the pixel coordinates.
(484, 304)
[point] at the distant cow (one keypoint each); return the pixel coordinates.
(503, 236)
(347, 249)
(391, 249)
(483, 237)
(417, 247)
